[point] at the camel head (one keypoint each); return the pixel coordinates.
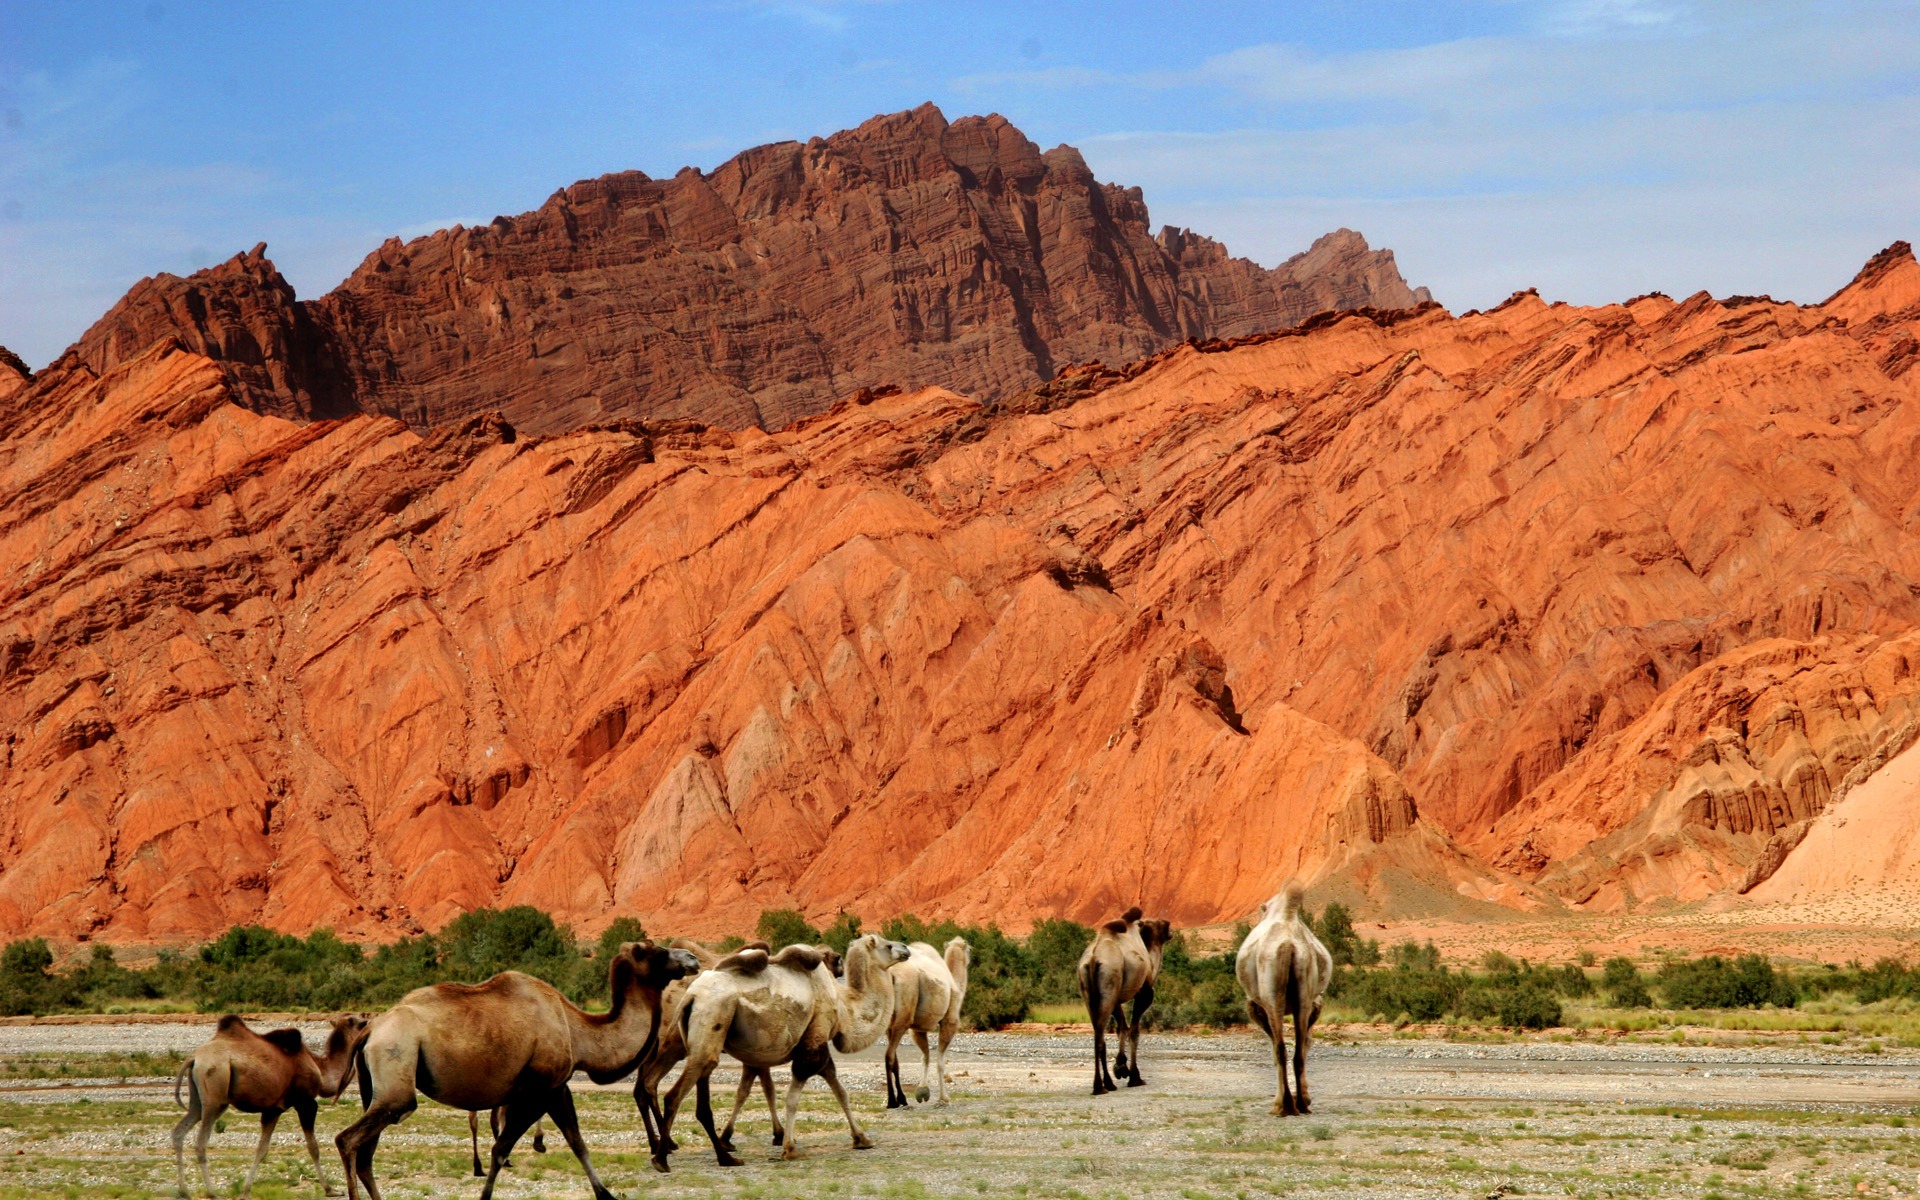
(652, 966)
(831, 958)
(874, 952)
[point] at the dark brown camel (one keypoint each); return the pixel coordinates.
(260, 1073)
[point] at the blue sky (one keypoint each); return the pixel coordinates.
(1592, 148)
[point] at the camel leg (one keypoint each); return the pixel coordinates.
(921, 1094)
(1142, 1000)
(495, 1116)
(539, 1137)
(560, 1108)
(896, 1094)
(1098, 1014)
(947, 1030)
(208, 1115)
(800, 1077)
(473, 1135)
(388, 1101)
(740, 1094)
(181, 1129)
(268, 1119)
(307, 1110)
(773, 1109)
(645, 1089)
(1302, 1034)
(1282, 1103)
(827, 1072)
(703, 1109)
(522, 1111)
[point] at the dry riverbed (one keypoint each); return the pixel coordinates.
(1393, 1118)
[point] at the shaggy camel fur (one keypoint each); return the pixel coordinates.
(260, 1073)
(670, 1048)
(494, 1118)
(785, 1008)
(928, 990)
(514, 1041)
(1285, 971)
(1121, 964)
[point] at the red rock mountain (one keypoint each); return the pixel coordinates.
(1539, 606)
(908, 251)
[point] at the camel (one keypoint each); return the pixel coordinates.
(1285, 971)
(494, 1119)
(766, 1010)
(1122, 963)
(670, 1048)
(260, 1073)
(514, 1041)
(928, 990)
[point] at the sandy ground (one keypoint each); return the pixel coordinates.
(1395, 1118)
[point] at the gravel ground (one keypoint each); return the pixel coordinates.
(1394, 1118)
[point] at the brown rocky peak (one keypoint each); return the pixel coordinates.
(14, 373)
(1889, 284)
(910, 248)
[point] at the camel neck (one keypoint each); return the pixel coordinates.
(865, 1002)
(610, 1043)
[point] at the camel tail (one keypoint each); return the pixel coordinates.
(185, 1067)
(1293, 898)
(1093, 993)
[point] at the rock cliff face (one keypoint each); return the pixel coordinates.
(908, 251)
(1615, 598)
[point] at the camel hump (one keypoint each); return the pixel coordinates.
(800, 958)
(1292, 898)
(286, 1041)
(1116, 926)
(1131, 915)
(231, 1024)
(743, 962)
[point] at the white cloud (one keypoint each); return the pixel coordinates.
(1618, 145)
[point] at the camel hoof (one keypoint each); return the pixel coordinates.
(863, 1142)
(726, 1142)
(668, 1146)
(1136, 1081)
(790, 1153)
(779, 1137)
(922, 1093)
(660, 1163)
(600, 1193)
(892, 1103)
(728, 1160)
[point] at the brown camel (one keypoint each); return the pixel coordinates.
(514, 1041)
(766, 1010)
(928, 990)
(494, 1118)
(1121, 964)
(260, 1073)
(1285, 971)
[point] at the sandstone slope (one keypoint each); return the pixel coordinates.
(910, 250)
(1612, 597)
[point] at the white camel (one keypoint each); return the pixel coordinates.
(928, 990)
(1285, 971)
(766, 1010)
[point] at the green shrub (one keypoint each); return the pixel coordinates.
(785, 927)
(1527, 1005)
(1712, 982)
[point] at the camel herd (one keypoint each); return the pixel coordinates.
(510, 1046)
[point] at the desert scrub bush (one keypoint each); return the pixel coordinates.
(1750, 981)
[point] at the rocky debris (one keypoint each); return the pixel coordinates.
(909, 248)
(1609, 596)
